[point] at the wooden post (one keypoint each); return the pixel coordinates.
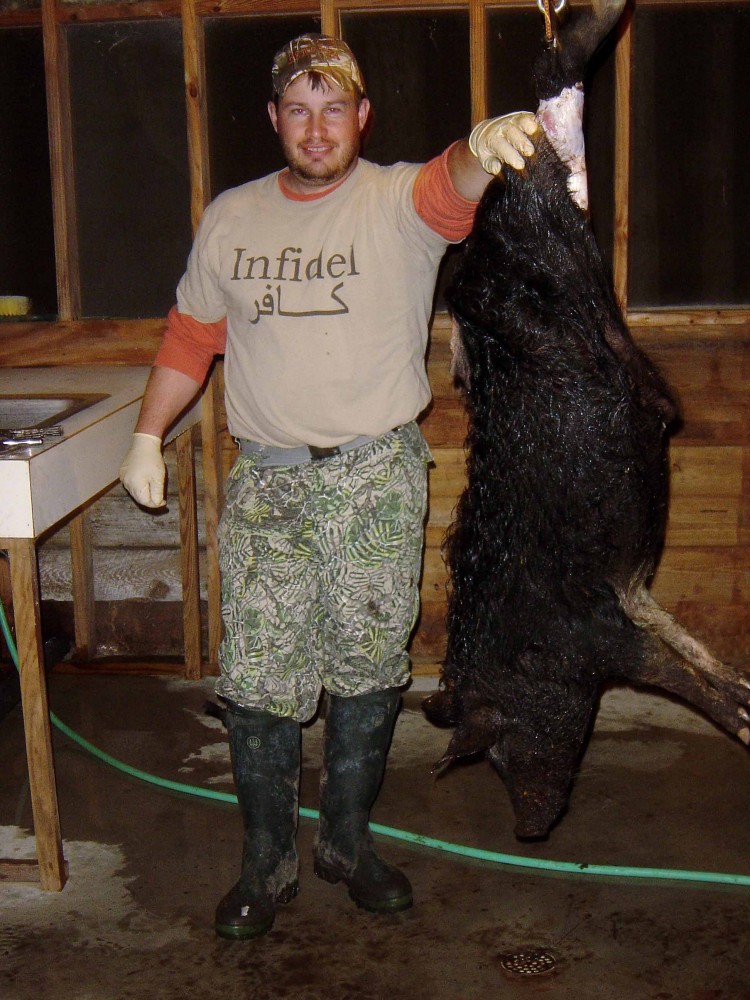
(82, 569)
(329, 19)
(623, 83)
(61, 164)
(200, 188)
(195, 105)
(478, 60)
(26, 607)
(191, 608)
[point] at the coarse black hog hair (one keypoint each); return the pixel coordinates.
(562, 520)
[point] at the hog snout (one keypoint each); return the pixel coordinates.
(538, 784)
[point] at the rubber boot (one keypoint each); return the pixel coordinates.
(265, 752)
(358, 732)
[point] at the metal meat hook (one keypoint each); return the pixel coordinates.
(551, 12)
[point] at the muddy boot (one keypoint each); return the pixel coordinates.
(357, 736)
(265, 753)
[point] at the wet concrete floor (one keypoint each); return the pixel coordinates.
(659, 788)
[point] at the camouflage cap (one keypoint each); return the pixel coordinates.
(330, 57)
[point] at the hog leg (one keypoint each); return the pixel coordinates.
(679, 663)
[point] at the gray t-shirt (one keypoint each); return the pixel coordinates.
(327, 301)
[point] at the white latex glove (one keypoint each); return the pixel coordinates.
(497, 142)
(143, 471)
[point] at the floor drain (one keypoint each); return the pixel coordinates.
(528, 961)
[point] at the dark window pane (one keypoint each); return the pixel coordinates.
(416, 70)
(239, 53)
(515, 39)
(131, 164)
(27, 243)
(690, 191)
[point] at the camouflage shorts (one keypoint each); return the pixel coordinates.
(320, 567)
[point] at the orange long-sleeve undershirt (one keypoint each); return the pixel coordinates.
(439, 204)
(190, 346)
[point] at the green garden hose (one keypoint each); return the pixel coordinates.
(540, 864)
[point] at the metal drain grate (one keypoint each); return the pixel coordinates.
(529, 961)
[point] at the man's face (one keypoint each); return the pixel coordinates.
(319, 132)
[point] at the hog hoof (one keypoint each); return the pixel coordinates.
(730, 692)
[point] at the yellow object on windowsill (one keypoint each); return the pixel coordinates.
(14, 305)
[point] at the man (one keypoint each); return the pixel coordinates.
(316, 283)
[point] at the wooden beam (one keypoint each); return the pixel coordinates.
(19, 870)
(623, 85)
(142, 9)
(61, 163)
(200, 187)
(210, 8)
(329, 18)
(80, 342)
(137, 10)
(400, 5)
(195, 102)
(21, 18)
(478, 60)
(736, 320)
(82, 569)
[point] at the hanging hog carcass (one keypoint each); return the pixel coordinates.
(562, 520)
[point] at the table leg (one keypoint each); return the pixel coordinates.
(24, 577)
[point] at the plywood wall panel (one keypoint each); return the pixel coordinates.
(718, 576)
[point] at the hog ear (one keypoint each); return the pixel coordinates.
(478, 731)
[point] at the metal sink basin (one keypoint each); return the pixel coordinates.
(26, 411)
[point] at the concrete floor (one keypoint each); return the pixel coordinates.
(659, 788)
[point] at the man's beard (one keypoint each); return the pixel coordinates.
(316, 178)
(319, 174)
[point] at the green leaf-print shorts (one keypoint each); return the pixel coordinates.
(320, 567)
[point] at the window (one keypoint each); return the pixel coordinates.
(131, 165)
(690, 190)
(27, 242)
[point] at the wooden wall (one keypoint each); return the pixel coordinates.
(704, 576)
